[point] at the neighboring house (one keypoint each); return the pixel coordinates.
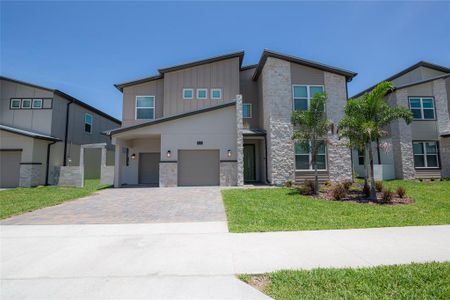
(41, 129)
(214, 122)
(422, 149)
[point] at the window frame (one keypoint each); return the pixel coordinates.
(199, 90)
(188, 89)
(136, 107)
(424, 148)
(421, 107)
(308, 94)
(36, 100)
(363, 156)
(11, 102)
(91, 124)
(215, 90)
(310, 160)
(23, 100)
(250, 110)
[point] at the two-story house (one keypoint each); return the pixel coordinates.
(422, 149)
(42, 129)
(216, 122)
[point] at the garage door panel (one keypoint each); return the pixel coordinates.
(9, 168)
(198, 167)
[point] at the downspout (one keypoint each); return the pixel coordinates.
(66, 133)
(48, 162)
(351, 150)
(265, 154)
(378, 152)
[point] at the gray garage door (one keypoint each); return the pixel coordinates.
(198, 167)
(149, 168)
(9, 168)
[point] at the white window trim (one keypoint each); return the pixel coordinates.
(308, 96)
(422, 118)
(310, 159)
(425, 154)
(92, 123)
(188, 98)
(199, 90)
(31, 103)
(251, 110)
(13, 100)
(136, 107)
(215, 90)
(37, 100)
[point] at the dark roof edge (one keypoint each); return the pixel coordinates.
(421, 81)
(28, 133)
(171, 118)
(248, 67)
(120, 86)
(27, 83)
(421, 63)
(239, 54)
(268, 53)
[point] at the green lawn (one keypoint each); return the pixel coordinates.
(414, 281)
(21, 200)
(279, 209)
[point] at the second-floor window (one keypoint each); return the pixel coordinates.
(88, 120)
(302, 95)
(145, 107)
(426, 154)
(246, 110)
(422, 108)
(303, 157)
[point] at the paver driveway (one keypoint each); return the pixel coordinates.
(133, 205)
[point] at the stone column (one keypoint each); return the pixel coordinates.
(239, 149)
(29, 174)
(444, 148)
(82, 165)
(229, 175)
(441, 101)
(277, 101)
(168, 174)
(117, 165)
(339, 155)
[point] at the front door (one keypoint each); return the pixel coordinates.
(149, 168)
(249, 163)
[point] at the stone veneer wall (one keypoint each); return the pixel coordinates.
(240, 146)
(441, 101)
(445, 156)
(277, 102)
(29, 175)
(168, 174)
(228, 173)
(70, 176)
(107, 174)
(402, 139)
(339, 155)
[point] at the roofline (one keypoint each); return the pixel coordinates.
(29, 133)
(239, 54)
(268, 53)
(170, 118)
(120, 86)
(248, 67)
(444, 76)
(421, 63)
(67, 96)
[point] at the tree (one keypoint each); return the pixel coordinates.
(369, 115)
(310, 130)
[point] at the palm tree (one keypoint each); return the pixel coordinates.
(369, 115)
(311, 127)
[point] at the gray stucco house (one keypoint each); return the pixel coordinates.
(216, 122)
(42, 129)
(421, 150)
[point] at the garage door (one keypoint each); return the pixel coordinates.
(10, 168)
(198, 167)
(149, 168)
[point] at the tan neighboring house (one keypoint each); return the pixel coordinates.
(41, 129)
(421, 150)
(216, 122)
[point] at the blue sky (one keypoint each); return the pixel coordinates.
(84, 48)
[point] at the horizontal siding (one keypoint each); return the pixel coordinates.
(428, 173)
(301, 176)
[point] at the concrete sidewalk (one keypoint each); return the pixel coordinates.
(189, 260)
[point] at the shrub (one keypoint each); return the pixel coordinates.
(366, 190)
(431, 179)
(308, 187)
(387, 195)
(347, 184)
(327, 183)
(401, 192)
(379, 186)
(338, 192)
(288, 183)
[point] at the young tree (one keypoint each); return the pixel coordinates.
(369, 115)
(310, 130)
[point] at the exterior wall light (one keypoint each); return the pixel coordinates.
(133, 156)
(229, 153)
(169, 153)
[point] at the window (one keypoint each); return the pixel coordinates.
(15, 103)
(37, 103)
(246, 110)
(302, 95)
(188, 93)
(26, 103)
(426, 154)
(422, 108)
(145, 107)
(202, 93)
(361, 157)
(88, 123)
(216, 94)
(303, 157)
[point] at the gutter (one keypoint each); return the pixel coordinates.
(48, 162)
(66, 132)
(265, 149)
